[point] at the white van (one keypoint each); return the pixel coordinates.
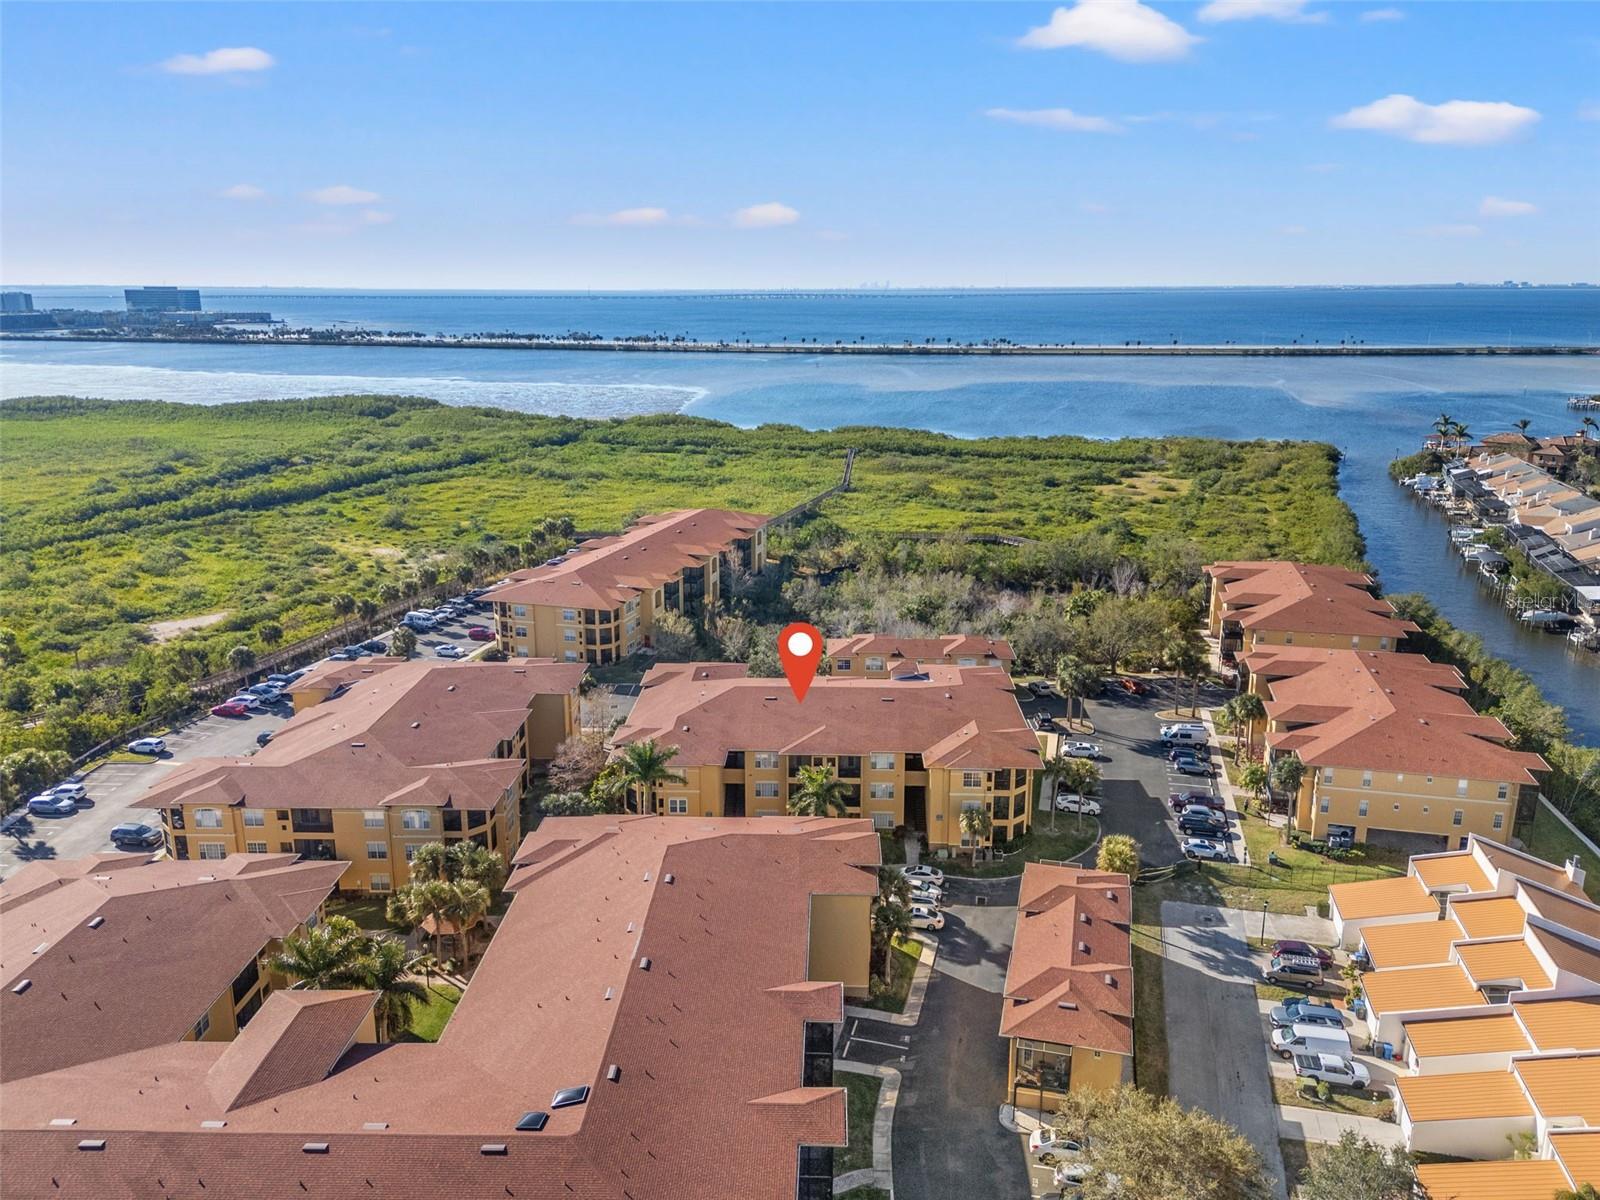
(1311, 1039)
(1184, 734)
(421, 622)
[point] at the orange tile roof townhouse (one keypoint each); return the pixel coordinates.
(878, 655)
(1578, 1152)
(1507, 961)
(1068, 1006)
(1255, 604)
(1556, 1025)
(649, 1019)
(115, 954)
(598, 603)
(1474, 1043)
(1528, 1179)
(1489, 916)
(419, 751)
(1390, 744)
(1563, 1087)
(1411, 943)
(911, 751)
(1462, 1114)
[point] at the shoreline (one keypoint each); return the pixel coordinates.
(930, 350)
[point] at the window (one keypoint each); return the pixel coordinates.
(208, 818)
(213, 850)
(882, 820)
(411, 851)
(677, 804)
(841, 664)
(1383, 643)
(569, 614)
(881, 762)
(1323, 806)
(1499, 820)
(519, 610)
(570, 655)
(378, 883)
(374, 818)
(1361, 809)
(1503, 792)
(972, 779)
(377, 850)
(255, 847)
(1043, 1065)
(766, 760)
(1288, 639)
(254, 817)
(966, 662)
(874, 664)
(1461, 787)
(1455, 818)
(202, 1026)
(416, 818)
(767, 790)
(1327, 774)
(522, 631)
(1355, 643)
(1366, 779)
(882, 791)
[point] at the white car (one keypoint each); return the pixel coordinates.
(1069, 1173)
(922, 893)
(1205, 848)
(1073, 803)
(1043, 687)
(1330, 1068)
(450, 650)
(1052, 1141)
(147, 746)
(1081, 750)
(925, 916)
(72, 791)
(248, 699)
(925, 873)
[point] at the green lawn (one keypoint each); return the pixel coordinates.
(365, 911)
(903, 958)
(1549, 839)
(1038, 844)
(428, 1021)
(1149, 996)
(861, 1094)
(1361, 1104)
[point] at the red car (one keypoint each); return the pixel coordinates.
(230, 709)
(479, 634)
(1182, 800)
(1132, 686)
(1305, 950)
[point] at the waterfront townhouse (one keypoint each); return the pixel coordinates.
(598, 603)
(396, 756)
(915, 750)
(1394, 753)
(1068, 1008)
(654, 1017)
(1256, 604)
(115, 954)
(880, 655)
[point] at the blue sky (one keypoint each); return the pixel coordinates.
(799, 145)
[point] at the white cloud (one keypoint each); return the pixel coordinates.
(765, 216)
(1252, 10)
(227, 60)
(1122, 29)
(242, 191)
(1293, 230)
(1453, 231)
(1063, 119)
(341, 193)
(375, 216)
(1453, 123)
(625, 216)
(1383, 14)
(1499, 206)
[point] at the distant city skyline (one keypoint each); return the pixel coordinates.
(686, 146)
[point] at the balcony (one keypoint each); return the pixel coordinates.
(311, 820)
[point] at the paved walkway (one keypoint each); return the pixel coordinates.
(1314, 1125)
(919, 988)
(881, 1173)
(1243, 923)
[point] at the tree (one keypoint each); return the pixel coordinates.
(1136, 1144)
(1288, 774)
(25, 772)
(644, 768)
(465, 574)
(891, 917)
(571, 804)
(1185, 655)
(1076, 679)
(673, 637)
(578, 761)
(343, 606)
(610, 787)
(819, 794)
(1522, 426)
(269, 633)
(976, 824)
(1254, 778)
(1249, 710)
(1054, 770)
(386, 967)
(422, 900)
(469, 902)
(1584, 1191)
(367, 610)
(327, 957)
(1355, 1169)
(241, 658)
(403, 644)
(1119, 853)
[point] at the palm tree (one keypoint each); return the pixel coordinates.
(326, 957)
(1584, 1191)
(1075, 678)
(1249, 709)
(1054, 770)
(367, 610)
(977, 824)
(419, 901)
(343, 606)
(386, 968)
(819, 794)
(1522, 426)
(891, 917)
(644, 768)
(1288, 773)
(1185, 657)
(468, 904)
(1442, 426)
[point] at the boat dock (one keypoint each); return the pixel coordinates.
(1584, 404)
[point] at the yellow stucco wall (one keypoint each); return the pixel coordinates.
(1254, 638)
(841, 941)
(1405, 802)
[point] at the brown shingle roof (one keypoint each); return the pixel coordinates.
(961, 717)
(1070, 978)
(918, 649)
(293, 1041)
(1304, 598)
(605, 572)
(171, 936)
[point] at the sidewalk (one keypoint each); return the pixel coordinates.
(919, 986)
(881, 1173)
(1313, 1125)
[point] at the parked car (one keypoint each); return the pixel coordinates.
(1132, 686)
(1073, 803)
(1182, 800)
(1204, 849)
(449, 650)
(134, 834)
(1306, 1012)
(1045, 723)
(1044, 687)
(1293, 970)
(1190, 750)
(267, 690)
(48, 804)
(229, 709)
(1186, 734)
(245, 700)
(1289, 946)
(1192, 766)
(1052, 1141)
(925, 916)
(924, 871)
(263, 737)
(283, 681)
(376, 645)
(149, 745)
(1341, 1072)
(1202, 827)
(72, 788)
(924, 893)
(342, 656)
(1069, 1174)
(1289, 1040)
(418, 622)
(479, 634)
(1081, 750)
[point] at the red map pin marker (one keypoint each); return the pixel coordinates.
(800, 650)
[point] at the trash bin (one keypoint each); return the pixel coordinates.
(1385, 1051)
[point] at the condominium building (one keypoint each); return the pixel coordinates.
(654, 1017)
(115, 954)
(598, 603)
(912, 751)
(1482, 981)
(397, 754)
(1068, 1008)
(1255, 604)
(880, 655)
(1394, 753)
(162, 299)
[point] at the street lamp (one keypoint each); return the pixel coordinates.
(1263, 920)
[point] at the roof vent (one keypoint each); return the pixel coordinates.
(492, 1148)
(450, 687)
(1111, 980)
(567, 1097)
(1083, 947)
(607, 996)
(375, 1126)
(1110, 895)
(358, 745)
(314, 1148)
(532, 1122)
(769, 697)
(92, 1144)
(96, 922)
(614, 1073)
(213, 1124)
(667, 878)
(21, 986)
(1083, 918)
(416, 724)
(644, 963)
(886, 699)
(1069, 1005)
(63, 1120)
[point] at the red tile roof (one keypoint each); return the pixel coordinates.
(417, 734)
(1070, 978)
(920, 649)
(605, 572)
(1304, 598)
(707, 1042)
(171, 937)
(962, 717)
